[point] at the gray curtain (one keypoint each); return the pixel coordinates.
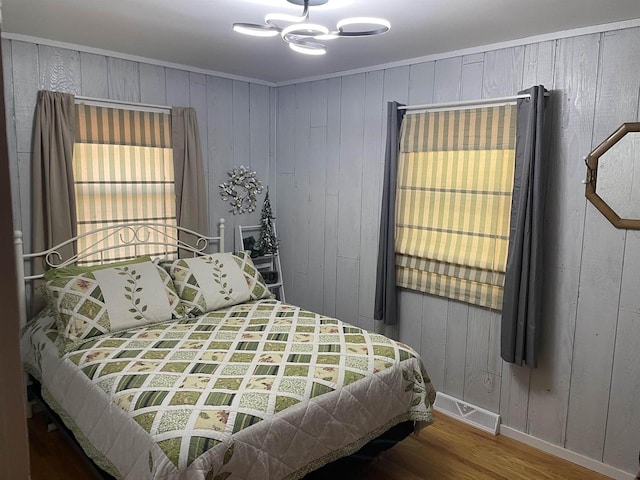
(386, 304)
(53, 208)
(191, 197)
(522, 305)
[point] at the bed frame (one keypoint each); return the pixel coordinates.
(171, 238)
(132, 235)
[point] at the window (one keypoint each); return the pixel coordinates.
(455, 180)
(123, 172)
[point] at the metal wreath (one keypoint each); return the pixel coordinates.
(241, 190)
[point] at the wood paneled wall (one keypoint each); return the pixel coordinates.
(330, 141)
(234, 117)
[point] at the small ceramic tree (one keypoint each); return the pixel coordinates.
(267, 243)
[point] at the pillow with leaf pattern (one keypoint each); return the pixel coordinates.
(90, 301)
(216, 281)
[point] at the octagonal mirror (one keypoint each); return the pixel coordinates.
(613, 177)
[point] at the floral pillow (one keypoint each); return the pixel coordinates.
(252, 275)
(216, 281)
(90, 301)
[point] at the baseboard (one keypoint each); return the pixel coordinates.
(565, 454)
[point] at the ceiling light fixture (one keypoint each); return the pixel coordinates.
(304, 37)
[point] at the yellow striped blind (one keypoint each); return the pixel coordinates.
(123, 172)
(122, 127)
(455, 179)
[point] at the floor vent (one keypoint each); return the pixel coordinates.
(467, 413)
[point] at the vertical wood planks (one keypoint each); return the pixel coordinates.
(421, 82)
(350, 181)
(372, 172)
(25, 94)
(318, 105)
(285, 154)
(25, 90)
(346, 300)
(571, 111)
(318, 154)
(286, 129)
(302, 184)
(602, 255)
(259, 131)
(219, 149)
(456, 348)
(447, 83)
(334, 95)
(396, 85)
(10, 117)
(153, 84)
(503, 72)
(241, 126)
(59, 69)
(93, 76)
(622, 438)
(434, 338)
(317, 209)
(177, 85)
(123, 79)
(472, 71)
(410, 311)
(286, 211)
(481, 386)
(349, 199)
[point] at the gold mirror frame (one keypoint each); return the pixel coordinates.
(592, 178)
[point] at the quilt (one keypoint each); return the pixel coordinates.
(258, 390)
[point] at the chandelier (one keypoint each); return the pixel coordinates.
(305, 37)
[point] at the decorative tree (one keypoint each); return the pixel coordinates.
(267, 243)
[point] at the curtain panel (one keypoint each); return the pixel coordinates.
(191, 194)
(53, 206)
(455, 178)
(386, 302)
(522, 309)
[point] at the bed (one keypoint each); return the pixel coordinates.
(188, 368)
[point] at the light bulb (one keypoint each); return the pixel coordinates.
(308, 50)
(383, 25)
(254, 30)
(304, 30)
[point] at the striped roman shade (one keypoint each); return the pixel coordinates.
(455, 179)
(118, 126)
(123, 172)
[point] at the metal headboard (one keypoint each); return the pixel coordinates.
(130, 235)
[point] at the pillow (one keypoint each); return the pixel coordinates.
(90, 301)
(216, 281)
(252, 275)
(72, 270)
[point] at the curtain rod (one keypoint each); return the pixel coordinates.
(123, 103)
(464, 103)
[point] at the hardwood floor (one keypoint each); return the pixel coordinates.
(446, 450)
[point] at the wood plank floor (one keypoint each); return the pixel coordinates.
(446, 450)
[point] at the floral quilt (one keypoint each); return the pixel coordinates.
(254, 391)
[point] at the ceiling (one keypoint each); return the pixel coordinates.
(198, 33)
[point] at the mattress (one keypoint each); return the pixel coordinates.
(259, 390)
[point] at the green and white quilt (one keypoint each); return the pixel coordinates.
(253, 391)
